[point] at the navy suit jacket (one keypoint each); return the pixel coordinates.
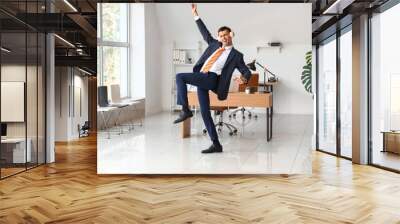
(234, 60)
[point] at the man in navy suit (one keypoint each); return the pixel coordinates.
(213, 71)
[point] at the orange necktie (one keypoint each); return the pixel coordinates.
(212, 60)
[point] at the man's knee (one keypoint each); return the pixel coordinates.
(179, 76)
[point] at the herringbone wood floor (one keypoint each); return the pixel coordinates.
(69, 191)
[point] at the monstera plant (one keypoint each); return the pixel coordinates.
(306, 74)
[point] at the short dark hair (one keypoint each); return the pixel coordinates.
(223, 28)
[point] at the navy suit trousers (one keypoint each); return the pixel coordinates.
(204, 82)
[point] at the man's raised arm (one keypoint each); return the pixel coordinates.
(202, 27)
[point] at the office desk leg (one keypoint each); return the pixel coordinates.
(269, 123)
(186, 128)
(117, 121)
(267, 119)
(105, 123)
(272, 107)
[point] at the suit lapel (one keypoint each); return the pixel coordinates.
(213, 49)
(230, 56)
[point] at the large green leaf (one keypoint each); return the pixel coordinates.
(308, 58)
(306, 74)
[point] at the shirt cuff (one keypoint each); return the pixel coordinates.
(196, 17)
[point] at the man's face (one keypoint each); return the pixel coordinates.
(225, 38)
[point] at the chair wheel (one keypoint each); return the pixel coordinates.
(230, 116)
(255, 116)
(234, 115)
(235, 131)
(244, 117)
(204, 131)
(230, 133)
(249, 115)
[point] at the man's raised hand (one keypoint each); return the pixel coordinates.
(194, 10)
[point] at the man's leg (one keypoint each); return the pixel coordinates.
(205, 81)
(181, 89)
(201, 80)
(204, 101)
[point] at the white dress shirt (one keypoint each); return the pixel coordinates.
(220, 62)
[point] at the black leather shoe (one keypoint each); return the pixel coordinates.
(183, 116)
(213, 149)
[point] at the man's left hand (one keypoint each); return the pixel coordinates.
(240, 80)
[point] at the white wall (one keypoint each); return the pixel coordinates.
(153, 70)
(67, 117)
(255, 24)
(33, 126)
(79, 117)
(61, 103)
(145, 51)
(290, 96)
(138, 50)
(16, 72)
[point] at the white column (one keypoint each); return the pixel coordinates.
(50, 99)
(360, 90)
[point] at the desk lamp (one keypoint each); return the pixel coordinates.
(252, 66)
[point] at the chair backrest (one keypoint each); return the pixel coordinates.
(102, 96)
(115, 93)
(86, 125)
(253, 82)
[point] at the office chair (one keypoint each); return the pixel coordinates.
(219, 111)
(253, 82)
(102, 96)
(84, 130)
(123, 104)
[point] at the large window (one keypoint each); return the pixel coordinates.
(335, 94)
(385, 89)
(113, 46)
(346, 93)
(327, 96)
(22, 93)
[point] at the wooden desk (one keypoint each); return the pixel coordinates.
(391, 141)
(269, 86)
(13, 150)
(237, 99)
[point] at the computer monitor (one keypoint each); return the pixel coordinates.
(3, 129)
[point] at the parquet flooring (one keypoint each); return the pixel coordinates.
(70, 191)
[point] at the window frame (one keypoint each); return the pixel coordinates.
(370, 34)
(337, 38)
(119, 44)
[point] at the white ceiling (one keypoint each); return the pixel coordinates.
(253, 23)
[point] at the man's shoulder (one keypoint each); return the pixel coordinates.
(238, 53)
(215, 42)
